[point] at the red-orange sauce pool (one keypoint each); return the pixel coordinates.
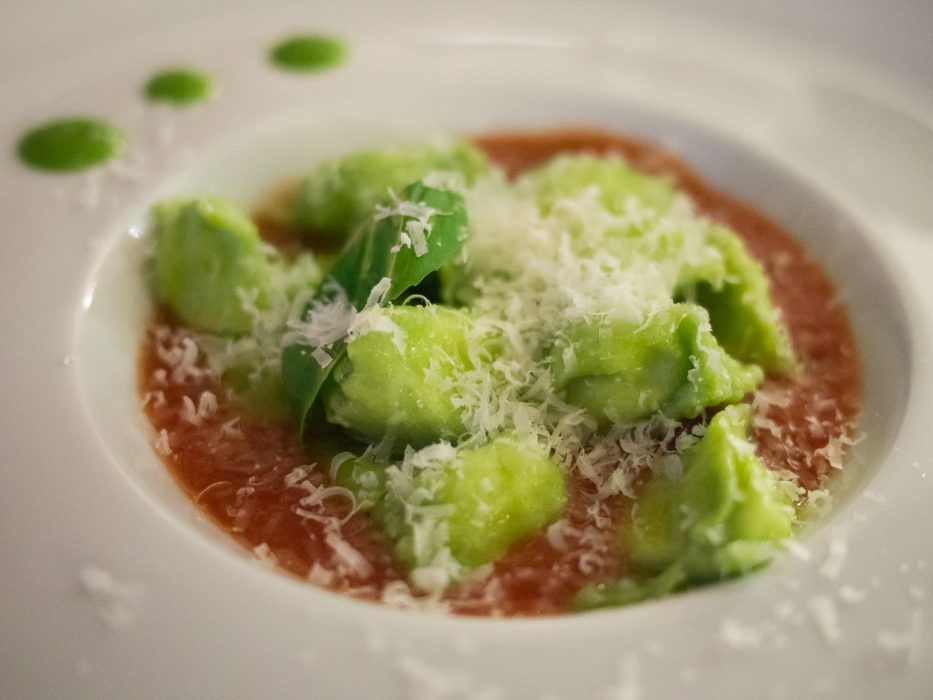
(236, 469)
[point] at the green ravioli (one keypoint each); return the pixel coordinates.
(472, 506)
(724, 516)
(340, 194)
(398, 378)
(622, 371)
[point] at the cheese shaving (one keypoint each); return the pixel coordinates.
(118, 602)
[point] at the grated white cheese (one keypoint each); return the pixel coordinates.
(835, 448)
(333, 318)
(295, 476)
(417, 230)
(320, 575)
(156, 398)
(180, 353)
(430, 578)
(739, 636)
(327, 321)
(229, 428)
(197, 414)
(118, 602)
(558, 533)
(399, 594)
(216, 486)
(823, 611)
(189, 413)
(875, 496)
(835, 557)
(162, 444)
(322, 357)
(265, 554)
(373, 319)
(348, 556)
(906, 643)
(798, 550)
(311, 505)
(429, 682)
(377, 295)
(207, 404)
(628, 685)
(852, 595)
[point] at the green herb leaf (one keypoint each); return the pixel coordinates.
(406, 240)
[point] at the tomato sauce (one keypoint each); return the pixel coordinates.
(272, 494)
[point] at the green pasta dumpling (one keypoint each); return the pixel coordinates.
(398, 377)
(208, 258)
(567, 177)
(340, 194)
(622, 372)
(703, 262)
(470, 504)
(499, 493)
(736, 295)
(724, 515)
(240, 306)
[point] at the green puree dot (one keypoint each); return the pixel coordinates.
(71, 144)
(308, 53)
(179, 87)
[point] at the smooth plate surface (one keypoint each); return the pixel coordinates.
(837, 145)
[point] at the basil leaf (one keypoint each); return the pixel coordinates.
(423, 230)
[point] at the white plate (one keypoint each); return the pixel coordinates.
(836, 148)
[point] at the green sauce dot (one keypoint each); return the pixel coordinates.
(308, 53)
(180, 87)
(71, 144)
